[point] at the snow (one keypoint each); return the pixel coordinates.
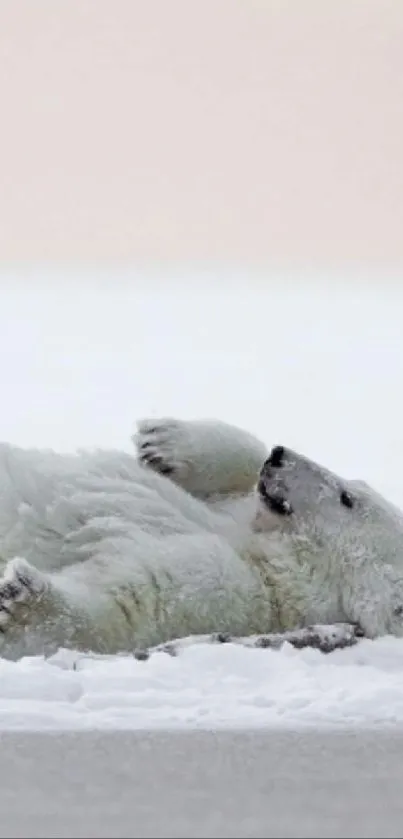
(316, 366)
(207, 687)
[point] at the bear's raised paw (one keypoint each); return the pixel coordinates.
(156, 443)
(21, 587)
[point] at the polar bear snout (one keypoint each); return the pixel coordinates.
(276, 457)
(274, 498)
(271, 487)
(273, 462)
(276, 501)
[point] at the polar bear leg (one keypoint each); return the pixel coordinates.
(323, 637)
(205, 457)
(135, 591)
(31, 612)
(326, 638)
(32, 600)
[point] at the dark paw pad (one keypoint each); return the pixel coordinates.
(267, 642)
(9, 591)
(141, 655)
(221, 638)
(156, 462)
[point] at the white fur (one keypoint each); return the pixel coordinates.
(117, 554)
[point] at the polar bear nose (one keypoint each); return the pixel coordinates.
(276, 456)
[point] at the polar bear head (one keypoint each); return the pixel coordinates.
(297, 495)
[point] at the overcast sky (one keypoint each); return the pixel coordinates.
(252, 132)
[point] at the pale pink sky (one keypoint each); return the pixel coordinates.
(258, 132)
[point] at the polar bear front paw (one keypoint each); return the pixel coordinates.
(158, 443)
(324, 637)
(20, 589)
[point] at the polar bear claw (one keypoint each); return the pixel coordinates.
(21, 586)
(155, 443)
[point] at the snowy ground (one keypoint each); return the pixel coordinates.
(207, 687)
(318, 369)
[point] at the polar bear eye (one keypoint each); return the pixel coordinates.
(347, 499)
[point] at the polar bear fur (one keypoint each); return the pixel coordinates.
(104, 552)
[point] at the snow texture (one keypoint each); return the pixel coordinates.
(207, 687)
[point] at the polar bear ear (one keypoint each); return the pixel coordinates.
(358, 484)
(367, 491)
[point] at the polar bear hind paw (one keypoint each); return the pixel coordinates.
(20, 588)
(323, 637)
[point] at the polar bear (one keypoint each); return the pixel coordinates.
(205, 532)
(334, 546)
